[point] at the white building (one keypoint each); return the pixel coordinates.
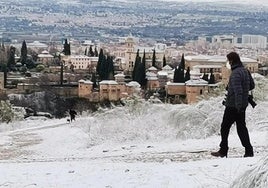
(80, 61)
(45, 57)
(254, 41)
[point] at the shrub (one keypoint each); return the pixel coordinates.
(6, 112)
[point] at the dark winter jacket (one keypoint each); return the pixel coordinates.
(238, 87)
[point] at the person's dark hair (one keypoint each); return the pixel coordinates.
(234, 58)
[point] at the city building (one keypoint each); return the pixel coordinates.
(80, 62)
(45, 58)
(205, 63)
(254, 41)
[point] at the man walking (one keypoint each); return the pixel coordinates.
(240, 82)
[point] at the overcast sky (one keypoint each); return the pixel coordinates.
(262, 2)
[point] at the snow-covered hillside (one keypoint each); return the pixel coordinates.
(138, 145)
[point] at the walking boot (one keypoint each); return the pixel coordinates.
(249, 152)
(220, 153)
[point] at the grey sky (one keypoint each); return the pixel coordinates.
(257, 2)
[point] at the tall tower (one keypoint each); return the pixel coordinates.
(130, 43)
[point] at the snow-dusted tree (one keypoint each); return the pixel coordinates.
(6, 112)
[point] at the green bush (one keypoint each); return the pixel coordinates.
(40, 67)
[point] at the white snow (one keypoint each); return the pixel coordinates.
(138, 145)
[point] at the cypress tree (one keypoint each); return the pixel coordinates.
(11, 58)
(61, 73)
(23, 58)
(176, 75)
(96, 54)
(154, 59)
(99, 64)
(91, 53)
(143, 79)
(182, 64)
(187, 74)
(140, 71)
(164, 61)
(212, 77)
(181, 78)
(205, 76)
(85, 52)
(110, 68)
(66, 48)
(136, 65)
(180, 72)
(144, 59)
(102, 66)
(141, 74)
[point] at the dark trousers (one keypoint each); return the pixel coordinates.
(230, 116)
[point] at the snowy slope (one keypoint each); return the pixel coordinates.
(138, 145)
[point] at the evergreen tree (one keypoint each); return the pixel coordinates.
(212, 77)
(180, 71)
(181, 78)
(61, 74)
(96, 53)
(176, 75)
(23, 57)
(11, 58)
(154, 59)
(105, 67)
(100, 64)
(66, 48)
(182, 64)
(141, 74)
(136, 65)
(205, 76)
(142, 69)
(144, 59)
(164, 61)
(187, 74)
(91, 53)
(110, 68)
(85, 52)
